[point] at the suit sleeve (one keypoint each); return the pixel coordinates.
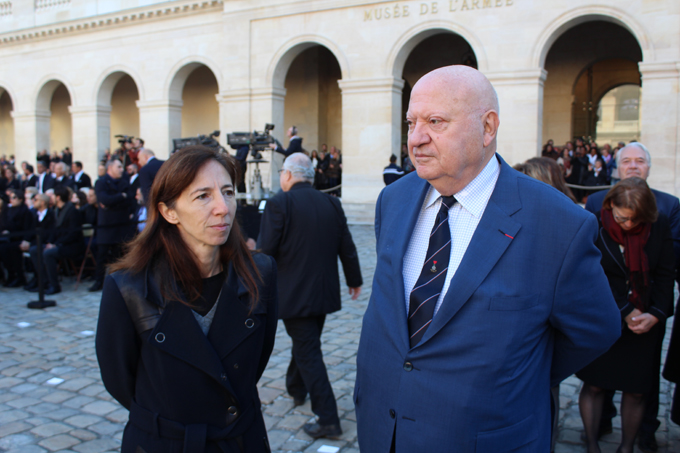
(662, 287)
(270, 298)
(584, 316)
(117, 345)
(348, 252)
(271, 227)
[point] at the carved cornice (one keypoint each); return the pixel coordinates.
(5, 9)
(106, 21)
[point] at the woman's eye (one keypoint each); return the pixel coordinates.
(229, 193)
(202, 196)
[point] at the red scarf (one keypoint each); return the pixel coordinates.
(633, 242)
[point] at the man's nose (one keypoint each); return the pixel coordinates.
(418, 135)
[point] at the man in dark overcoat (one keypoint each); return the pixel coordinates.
(147, 173)
(305, 231)
(115, 223)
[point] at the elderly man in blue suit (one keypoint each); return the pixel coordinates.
(488, 289)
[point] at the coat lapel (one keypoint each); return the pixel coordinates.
(495, 232)
(233, 323)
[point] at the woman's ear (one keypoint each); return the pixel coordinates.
(168, 214)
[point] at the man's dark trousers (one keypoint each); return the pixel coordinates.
(307, 371)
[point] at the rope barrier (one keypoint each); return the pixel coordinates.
(331, 189)
(575, 186)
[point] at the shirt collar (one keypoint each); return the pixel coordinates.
(474, 197)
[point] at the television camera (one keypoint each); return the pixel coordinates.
(256, 142)
(205, 140)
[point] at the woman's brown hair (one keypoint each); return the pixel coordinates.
(547, 170)
(160, 242)
(633, 194)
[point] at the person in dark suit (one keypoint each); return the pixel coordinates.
(634, 160)
(45, 180)
(62, 179)
(115, 224)
(29, 180)
(477, 307)
(392, 172)
(16, 220)
(637, 257)
(43, 217)
(150, 166)
(306, 231)
(79, 178)
(188, 318)
(65, 241)
(133, 177)
(294, 143)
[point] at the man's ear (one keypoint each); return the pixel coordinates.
(490, 121)
(168, 214)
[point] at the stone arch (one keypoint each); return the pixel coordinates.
(43, 98)
(5, 88)
(581, 15)
(108, 80)
(181, 71)
(415, 35)
(284, 56)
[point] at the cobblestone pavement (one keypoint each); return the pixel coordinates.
(52, 398)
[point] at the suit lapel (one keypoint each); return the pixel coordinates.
(402, 227)
(495, 232)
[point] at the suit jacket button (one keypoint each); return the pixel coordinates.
(160, 337)
(250, 323)
(392, 413)
(232, 410)
(223, 376)
(236, 366)
(408, 366)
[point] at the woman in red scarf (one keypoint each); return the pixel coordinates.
(637, 257)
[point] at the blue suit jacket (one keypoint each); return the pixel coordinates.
(528, 306)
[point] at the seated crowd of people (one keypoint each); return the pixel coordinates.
(56, 203)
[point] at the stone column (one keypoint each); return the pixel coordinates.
(371, 130)
(31, 134)
(91, 134)
(659, 122)
(520, 95)
(159, 122)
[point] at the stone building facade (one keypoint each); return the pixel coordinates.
(78, 72)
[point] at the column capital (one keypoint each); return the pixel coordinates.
(660, 70)
(519, 77)
(371, 85)
(89, 110)
(268, 93)
(161, 104)
(236, 95)
(27, 115)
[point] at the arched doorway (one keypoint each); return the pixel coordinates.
(53, 117)
(124, 110)
(6, 124)
(313, 101)
(200, 109)
(441, 49)
(583, 64)
(618, 115)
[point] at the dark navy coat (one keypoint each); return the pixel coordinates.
(114, 224)
(200, 391)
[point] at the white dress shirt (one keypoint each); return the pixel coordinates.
(464, 217)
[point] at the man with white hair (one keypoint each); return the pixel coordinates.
(62, 179)
(634, 160)
(305, 231)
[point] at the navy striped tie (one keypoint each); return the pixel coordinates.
(429, 286)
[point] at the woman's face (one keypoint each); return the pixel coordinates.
(625, 217)
(91, 197)
(8, 174)
(205, 211)
(74, 199)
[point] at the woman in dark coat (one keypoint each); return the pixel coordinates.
(188, 317)
(637, 257)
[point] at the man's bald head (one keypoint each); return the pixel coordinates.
(453, 121)
(464, 84)
(144, 155)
